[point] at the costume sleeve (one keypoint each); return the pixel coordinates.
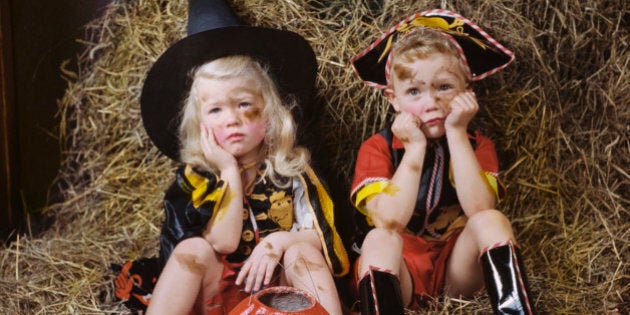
(189, 204)
(373, 171)
(321, 208)
(489, 162)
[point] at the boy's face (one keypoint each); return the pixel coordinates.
(425, 89)
(232, 110)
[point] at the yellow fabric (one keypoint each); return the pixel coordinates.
(494, 185)
(438, 23)
(200, 184)
(367, 192)
(327, 207)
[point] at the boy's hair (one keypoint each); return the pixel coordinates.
(278, 151)
(419, 44)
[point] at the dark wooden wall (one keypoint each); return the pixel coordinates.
(35, 38)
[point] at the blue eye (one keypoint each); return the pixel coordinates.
(413, 92)
(445, 87)
(214, 110)
(244, 105)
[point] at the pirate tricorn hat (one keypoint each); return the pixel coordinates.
(213, 32)
(481, 53)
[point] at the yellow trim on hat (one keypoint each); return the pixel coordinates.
(437, 23)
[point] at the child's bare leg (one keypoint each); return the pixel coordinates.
(179, 287)
(485, 253)
(382, 249)
(484, 229)
(306, 269)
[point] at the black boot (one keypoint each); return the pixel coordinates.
(506, 281)
(379, 292)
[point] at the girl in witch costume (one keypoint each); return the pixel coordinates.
(245, 210)
(426, 187)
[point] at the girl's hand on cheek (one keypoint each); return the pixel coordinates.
(463, 108)
(406, 128)
(259, 267)
(213, 152)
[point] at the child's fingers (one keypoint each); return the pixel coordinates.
(269, 273)
(243, 273)
(260, 276)
(252, 281)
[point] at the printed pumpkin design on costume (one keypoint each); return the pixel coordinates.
(266, 210)
(445, 220)
(280, 205)
(281, 210)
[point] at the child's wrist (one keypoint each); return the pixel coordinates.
(457, 131)
(416, 149)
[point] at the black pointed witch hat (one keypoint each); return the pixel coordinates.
(215, 33)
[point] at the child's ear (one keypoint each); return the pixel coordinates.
(391, 97)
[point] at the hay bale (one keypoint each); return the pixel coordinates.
(559, 116)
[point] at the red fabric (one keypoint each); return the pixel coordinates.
(426, 261)
(229, 293)
(486, 153)
(374, 159)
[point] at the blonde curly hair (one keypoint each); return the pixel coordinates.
(279, 153)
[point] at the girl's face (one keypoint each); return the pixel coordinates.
(232, 110)
(425, 89)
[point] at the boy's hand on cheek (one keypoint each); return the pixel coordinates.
(463, 108)
(406, 128)
(213, 152)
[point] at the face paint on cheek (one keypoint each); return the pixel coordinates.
(253, 113)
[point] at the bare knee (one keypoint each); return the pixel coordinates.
(490, 227)
(489, 219)
(194, 254)
(382, 238)
(383, 249)
(303, 259)
(304, 255)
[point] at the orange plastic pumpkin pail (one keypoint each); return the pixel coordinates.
(279, 300)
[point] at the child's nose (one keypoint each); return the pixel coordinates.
(233, 117)
(431, 101)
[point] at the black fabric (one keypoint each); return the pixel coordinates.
(288, 55)
(506, 281)
(482, 54)
(448, 194)
(135, 281)
(388, 294)
(265, 197)
(205, 15)
(326, 229)
(181, 219)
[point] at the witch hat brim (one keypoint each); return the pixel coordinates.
(288, 56)
(482, 53)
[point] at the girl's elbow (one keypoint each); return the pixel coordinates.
(225, 248)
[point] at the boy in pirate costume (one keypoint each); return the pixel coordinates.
(426, 187)
(245, 209)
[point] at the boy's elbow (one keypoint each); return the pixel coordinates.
(479, 206)
(384, 219)
(387, 223)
